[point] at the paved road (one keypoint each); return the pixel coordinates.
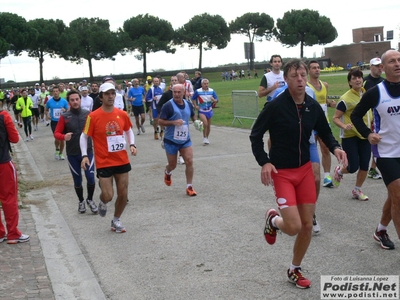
(176, 247)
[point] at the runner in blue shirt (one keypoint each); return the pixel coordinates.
(55, 107)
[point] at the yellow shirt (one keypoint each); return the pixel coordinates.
(321, 95)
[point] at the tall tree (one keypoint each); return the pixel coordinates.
(204, 32)
(47, 42)
(306, 27)
(147, 34)
(89, 39)
(14, 34)
(254, 26)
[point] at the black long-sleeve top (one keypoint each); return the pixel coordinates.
(290, 129)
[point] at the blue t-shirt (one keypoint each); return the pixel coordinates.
(173, 111)
(138, 94)
(56, 108)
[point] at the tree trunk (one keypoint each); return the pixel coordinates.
(90, 69)
(201, 55)
(41, 60)
(252, 56)
(301, 49)
(144, 66)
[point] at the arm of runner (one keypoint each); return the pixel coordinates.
(131, 139)
(83, 142)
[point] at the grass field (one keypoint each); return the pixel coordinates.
(223, 114)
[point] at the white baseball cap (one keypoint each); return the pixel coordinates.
(106, 87)
(375, 61)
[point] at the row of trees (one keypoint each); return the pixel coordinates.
(91, 39)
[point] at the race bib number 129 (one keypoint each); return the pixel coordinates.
(116, 143)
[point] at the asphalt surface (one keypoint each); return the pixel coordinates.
(177, 247)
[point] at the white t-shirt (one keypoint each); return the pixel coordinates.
(119, 101)
(87, 103)
(271, 79)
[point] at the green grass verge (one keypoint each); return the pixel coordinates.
(223, 114)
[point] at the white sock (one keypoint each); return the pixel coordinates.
(381, 227)
(188, 185)
(326, 174)
(273, 221)
(292, 267)
(115, 219)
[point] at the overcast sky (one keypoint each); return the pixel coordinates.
(344, 16)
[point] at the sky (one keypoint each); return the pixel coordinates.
(344, 16)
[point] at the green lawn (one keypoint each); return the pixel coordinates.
(223, 114)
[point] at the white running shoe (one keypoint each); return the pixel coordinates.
(117, 226)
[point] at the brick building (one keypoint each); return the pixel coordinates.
(367, 43)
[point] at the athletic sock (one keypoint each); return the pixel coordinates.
(292, 267)
(381, 227)
(79, 193)
(273, 222)
(90, 190)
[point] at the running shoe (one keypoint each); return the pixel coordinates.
(27, 139)
(57, 155)
(190, 191)
(102, 207)
(181, 161)
(3, 239)
(162, 144)
(151, 122)
(383, 238)
(316, 228)
(31, 137)
(142, 128)
(156, 135)
(167, 179)
(81, 207)
(359, 195)
(47, 123)
(374, 174)
(138, 132)
(328, 181)
(270, 230)
(117, 226)
(296, 277)
(337, 177)
(20, 125)
(92, 205)
(161, 134)
(62, 157)
(22, 239)
(206, 141)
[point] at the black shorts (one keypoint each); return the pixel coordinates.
(110, 171)
(35, 112)
(390, 169)
(53, 125)
(138, 110)
(148, 105)
(16, 111)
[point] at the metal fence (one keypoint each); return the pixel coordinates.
(245, 105)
